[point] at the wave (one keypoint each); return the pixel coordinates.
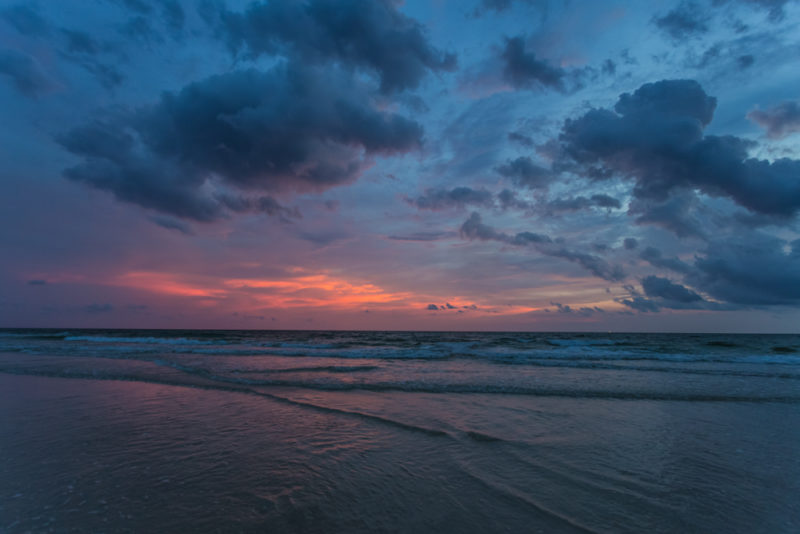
(481, 437)
(148, 340)
(491, 389)
(33, 335)
(724, 344)
(231, 389)
(145, 349)
(316, 369)
(507, 492)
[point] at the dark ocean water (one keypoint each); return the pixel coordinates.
(227, 431)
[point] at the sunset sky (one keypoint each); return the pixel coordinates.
(436, 165)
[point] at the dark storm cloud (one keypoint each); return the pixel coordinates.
(655, 286)
(749, 271)
(636, 301)
(780, 120)
(459, 197)
(24, 72)
(755, 272)
(525, 173)
(685, 20)
(475, 229)
(655, 136)
(524, 71)
(370, 35)
(581, 203)
(25, 19)
(673, 214)
(654, 257)
(288, 129)
(630, 243)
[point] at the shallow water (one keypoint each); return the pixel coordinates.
(398, 432)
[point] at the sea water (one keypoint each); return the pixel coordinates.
(229, 431)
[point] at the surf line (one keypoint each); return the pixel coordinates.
(215, 386)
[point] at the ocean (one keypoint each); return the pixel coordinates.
(293, 431)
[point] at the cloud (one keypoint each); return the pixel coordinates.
(171, 15)
(673, 213)
(640, 304)
(748, 271)
(24, 72)
(655, 136)
(594, 264)
(497, 6)
(172, 224)
(653, 256)
(82, 49)
(432, 307)
(775, 7)
(755, 271)
(475, 229)
(25, 19)
(745, 61)
(524, 71)
(422, 236)
(508, 200)
(630, 243)
(687, 19)
(525, 173)
(80, 42)
(37, 282)
(584, 311)
(655, 286)
(780, 120)
(368, 35)
(582, 203)
(207, 149)
(459, 197)
(522, 139)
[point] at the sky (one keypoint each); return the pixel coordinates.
(420, 165)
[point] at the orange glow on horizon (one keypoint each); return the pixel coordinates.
(164, 283)
(302, 289)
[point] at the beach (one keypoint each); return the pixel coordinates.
(386, 432)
